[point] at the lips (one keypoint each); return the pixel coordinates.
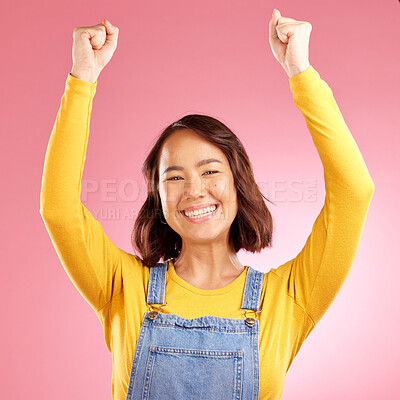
(198, 219)
(199, 207)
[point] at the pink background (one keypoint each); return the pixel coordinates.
(212, 57)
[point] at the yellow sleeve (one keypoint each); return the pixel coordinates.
(316, 275)
(91, 260)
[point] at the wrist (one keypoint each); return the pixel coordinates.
(297, 69)
(86, 76)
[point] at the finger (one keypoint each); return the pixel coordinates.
(110, 29)
(112, 33)
(283, 20)
(283, 35)
(288, 29)
(277, 20)
(277, 12)
(96, 37)
(272, 23)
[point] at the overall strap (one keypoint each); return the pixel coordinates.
(252, 289)
(156, 286)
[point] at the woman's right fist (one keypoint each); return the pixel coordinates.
(92, 49)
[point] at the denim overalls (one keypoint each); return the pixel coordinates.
(201, 358)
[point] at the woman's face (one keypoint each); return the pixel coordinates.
(190, 182)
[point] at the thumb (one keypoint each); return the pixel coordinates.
(272, 23)
(112, 34)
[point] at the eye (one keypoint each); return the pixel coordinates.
(205, 173)
(211, 171)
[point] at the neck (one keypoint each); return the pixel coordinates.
(202, 263)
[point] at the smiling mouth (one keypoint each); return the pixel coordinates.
(199, 216)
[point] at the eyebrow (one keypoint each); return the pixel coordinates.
(199, 164)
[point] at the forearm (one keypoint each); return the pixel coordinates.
(61, 184)
(342, 161)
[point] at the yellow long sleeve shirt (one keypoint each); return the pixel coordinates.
(294, 296)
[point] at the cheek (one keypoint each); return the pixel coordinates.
(225, 191)
(163, 192)
(170, 195)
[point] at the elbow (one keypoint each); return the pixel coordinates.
(367, 193)
(371, 188)
(50, 214)
(361, 194)
(49, 209)
(46, 215)
(59, 216)
(364, 185)
(47, 219)
(54, 222)
(45, 210)
(45, 206)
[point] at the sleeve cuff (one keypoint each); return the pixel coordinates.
(81, 87)
(304, 79)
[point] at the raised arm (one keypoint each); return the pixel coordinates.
(314, 277)
(91, 260)
(318, 272)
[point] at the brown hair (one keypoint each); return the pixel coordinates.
(253, 225)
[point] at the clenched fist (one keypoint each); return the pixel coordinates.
(289, 41)
(92, 49)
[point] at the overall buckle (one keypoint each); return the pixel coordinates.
(153, 314)
(248, 320)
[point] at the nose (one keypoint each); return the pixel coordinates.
(194, 188)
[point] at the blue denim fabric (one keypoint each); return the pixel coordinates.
(201, 358)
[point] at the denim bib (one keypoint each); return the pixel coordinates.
(201, 358)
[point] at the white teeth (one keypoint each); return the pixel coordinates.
(200, 213)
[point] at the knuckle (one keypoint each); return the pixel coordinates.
(306, 26)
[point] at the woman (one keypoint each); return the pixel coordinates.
(199, 324)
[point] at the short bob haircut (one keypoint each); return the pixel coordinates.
(253, 225)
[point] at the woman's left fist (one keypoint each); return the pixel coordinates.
(289, 42)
